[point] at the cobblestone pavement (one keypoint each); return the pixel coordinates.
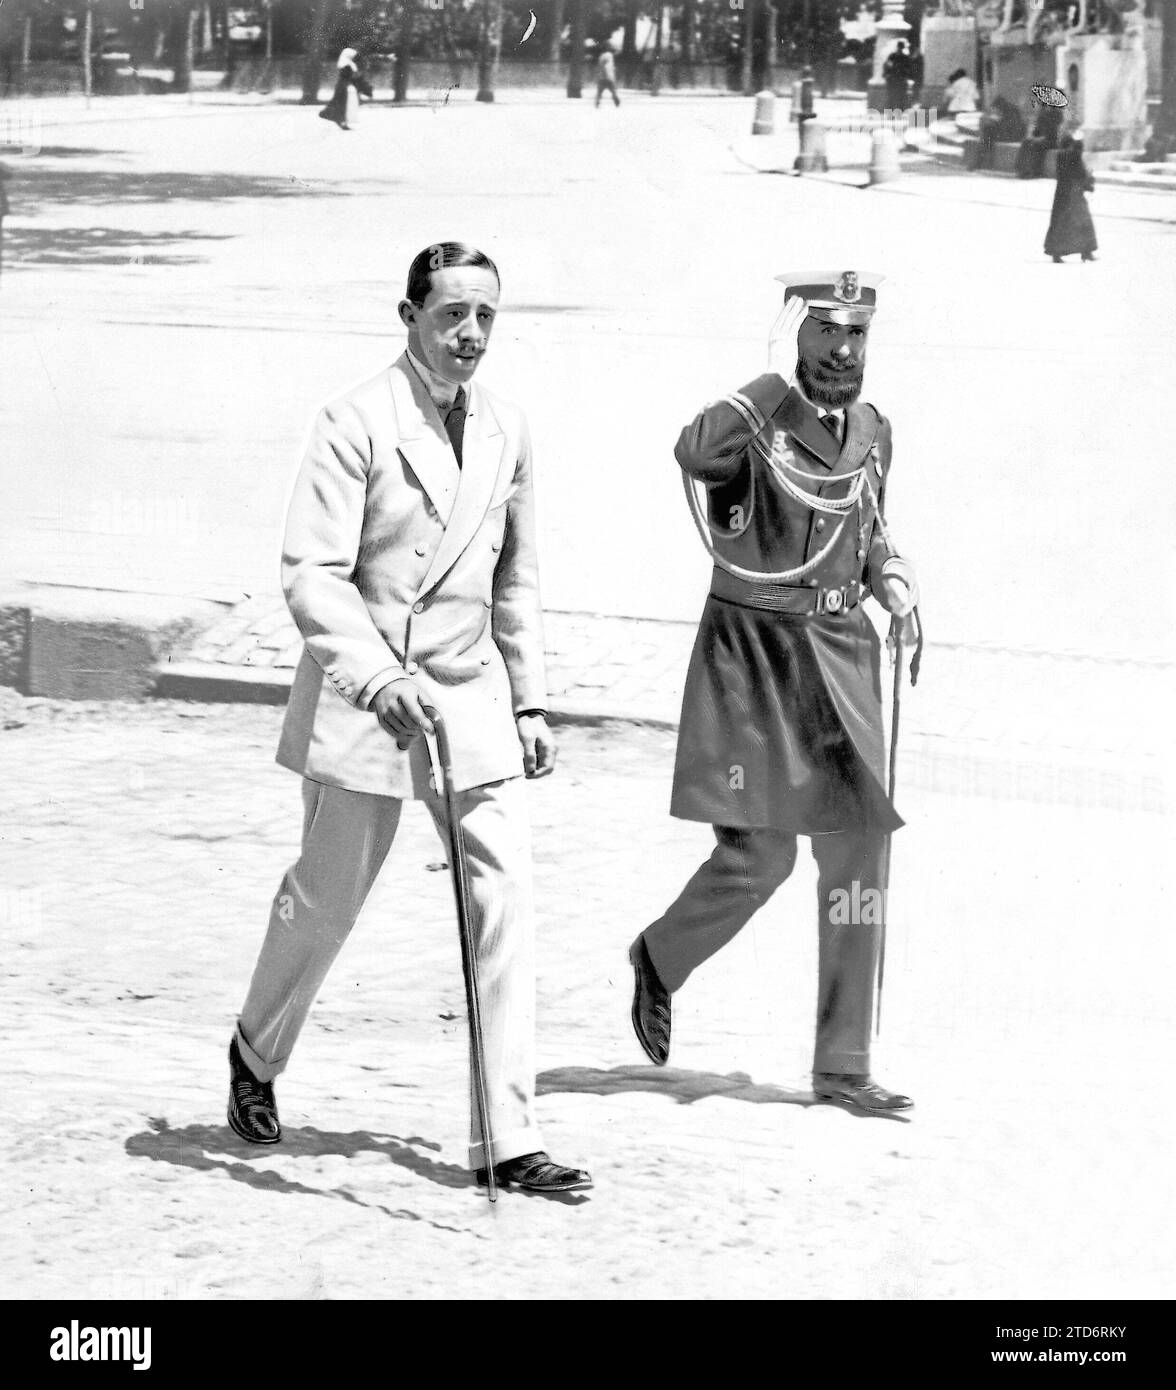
(981, 719)
(1028, 992)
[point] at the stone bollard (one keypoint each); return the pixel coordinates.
(765, 114)
(812, 158)
(884, 156)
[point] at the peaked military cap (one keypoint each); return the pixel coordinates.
(837, 296)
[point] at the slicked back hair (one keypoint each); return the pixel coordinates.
(441, 256)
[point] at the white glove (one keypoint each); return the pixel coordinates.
(783, 347)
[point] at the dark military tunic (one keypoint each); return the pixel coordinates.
(782, 713)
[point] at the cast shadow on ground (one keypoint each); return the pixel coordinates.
(32, 189)
(84, 246)
(683, 1086)
(216, 1149)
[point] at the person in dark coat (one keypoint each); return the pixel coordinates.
(781, 732)
(1047, 125)
(343, 107)
(3, 209)
(895, 73)
(1071, 228)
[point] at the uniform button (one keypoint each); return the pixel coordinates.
(820, 523)
(812, 583)
(418, 608)
(485, 661)
(411, 667)
(420, 550)
(495, 546)
(488, 603)
(861, 554)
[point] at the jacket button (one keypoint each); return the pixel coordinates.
(861, 554)
(485, 661)
(420, 550)
(820, 523)
(812, 583)
(418, 608)
(495, 546)
(411, 667)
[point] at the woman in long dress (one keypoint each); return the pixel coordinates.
(1071, 228)
(343, 107)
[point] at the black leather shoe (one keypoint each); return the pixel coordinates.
(651, 1005)
(859, 1093)
(253, 1112)
(536, 1173)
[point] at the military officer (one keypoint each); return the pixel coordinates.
(409, 565)
(781, 729)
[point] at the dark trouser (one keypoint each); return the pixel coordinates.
(604, 84)
(746, 868)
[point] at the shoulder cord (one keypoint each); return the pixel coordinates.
(834, 506)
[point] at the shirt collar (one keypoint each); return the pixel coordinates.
(441, 392)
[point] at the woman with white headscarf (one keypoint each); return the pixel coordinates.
(343, 107)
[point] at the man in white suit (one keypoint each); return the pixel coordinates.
(410, 568)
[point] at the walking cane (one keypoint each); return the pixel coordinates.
(469, 964)
(896, 693)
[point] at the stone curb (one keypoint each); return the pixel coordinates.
(92, 644)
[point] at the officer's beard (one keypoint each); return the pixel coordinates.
(829, 386)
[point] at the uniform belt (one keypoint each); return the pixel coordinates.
(801, 599)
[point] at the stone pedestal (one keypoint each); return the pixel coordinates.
(948, 42)
(1012, 67)
(1105, 77)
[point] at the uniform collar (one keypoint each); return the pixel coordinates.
(441, 392)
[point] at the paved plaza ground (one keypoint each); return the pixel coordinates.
(1027, 1009)
(183, 282)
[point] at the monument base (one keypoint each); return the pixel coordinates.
(1105, 77)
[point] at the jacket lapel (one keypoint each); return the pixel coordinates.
(802, 422)
(422, 440)
(860, 430)
(481, 453)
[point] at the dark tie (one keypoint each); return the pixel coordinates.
(833, 425)
(455, 422)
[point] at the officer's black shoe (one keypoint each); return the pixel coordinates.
(253, 1112)
(651, 1005)
(859, 1093)
(536, 1173)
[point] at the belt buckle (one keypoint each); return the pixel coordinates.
(832, 600)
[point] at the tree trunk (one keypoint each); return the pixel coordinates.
(576, 56)
(688, 32)
(312, 63)
(750, 15)
(554, 39)
(185, 50)
(26, 45)
(87, 40)
(1166, 121)
(489, 47)
(404, 51)
(269, 33)
(629, 40)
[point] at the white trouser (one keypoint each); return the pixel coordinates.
(346, 836)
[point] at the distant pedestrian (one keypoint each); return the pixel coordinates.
(1071, 228)
(962, 94)
(895, 73)
(606, 75)
(343, 107)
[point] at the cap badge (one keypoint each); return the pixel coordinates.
(847, 288)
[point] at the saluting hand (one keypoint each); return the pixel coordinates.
(400, 708)
(783, 347)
